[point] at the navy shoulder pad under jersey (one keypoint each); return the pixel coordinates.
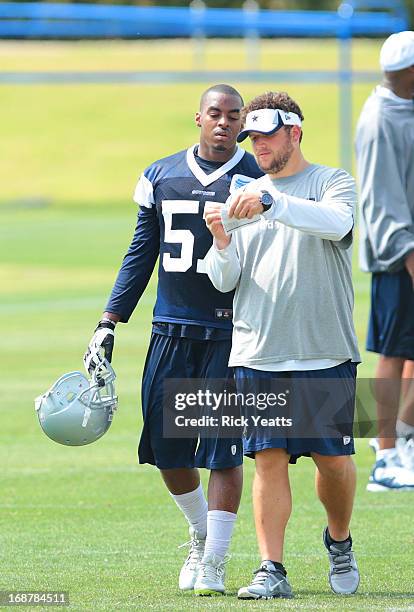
(176, 189)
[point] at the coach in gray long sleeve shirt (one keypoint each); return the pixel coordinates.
(289, 258)
(291, 265)
(385, 156)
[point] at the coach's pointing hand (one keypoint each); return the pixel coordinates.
(212, 216)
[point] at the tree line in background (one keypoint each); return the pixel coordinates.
(316, 5)
(264, 4)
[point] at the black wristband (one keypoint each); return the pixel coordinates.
(106, 324)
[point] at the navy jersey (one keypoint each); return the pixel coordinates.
(172, 193)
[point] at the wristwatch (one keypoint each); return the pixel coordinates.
(266, 200)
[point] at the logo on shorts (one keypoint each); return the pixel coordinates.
(233, 449)
(224, 313)
(346, 439)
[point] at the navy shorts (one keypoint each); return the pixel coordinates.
(391, 324)
(170, 357)
(260, 439)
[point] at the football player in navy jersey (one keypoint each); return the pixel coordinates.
(191, 334)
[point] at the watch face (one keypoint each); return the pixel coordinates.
(266, 199)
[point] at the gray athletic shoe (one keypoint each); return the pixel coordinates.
(268, 583)
(343, 571)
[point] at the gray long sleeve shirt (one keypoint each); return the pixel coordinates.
(292, 273)
(385, 156)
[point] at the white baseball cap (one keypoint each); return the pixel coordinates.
(397, 52)
(267, 121)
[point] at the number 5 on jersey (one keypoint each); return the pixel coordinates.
(183, 237)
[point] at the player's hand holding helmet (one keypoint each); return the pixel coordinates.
(76, 410)
(101, 345)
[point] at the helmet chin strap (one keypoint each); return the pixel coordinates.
(86, 416)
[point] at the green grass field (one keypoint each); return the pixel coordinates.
(90, 520)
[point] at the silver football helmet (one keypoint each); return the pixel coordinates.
(77, 410)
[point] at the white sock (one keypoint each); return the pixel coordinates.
(219, 531)
(404, 430)
(194, 507)
(385, 453)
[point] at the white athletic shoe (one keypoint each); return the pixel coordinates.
(405, 449)
(189, 570)
(389, 475)
(211, 575)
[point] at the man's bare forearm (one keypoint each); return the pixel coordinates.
(112, 316)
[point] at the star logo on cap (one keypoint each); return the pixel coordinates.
(255, 118)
